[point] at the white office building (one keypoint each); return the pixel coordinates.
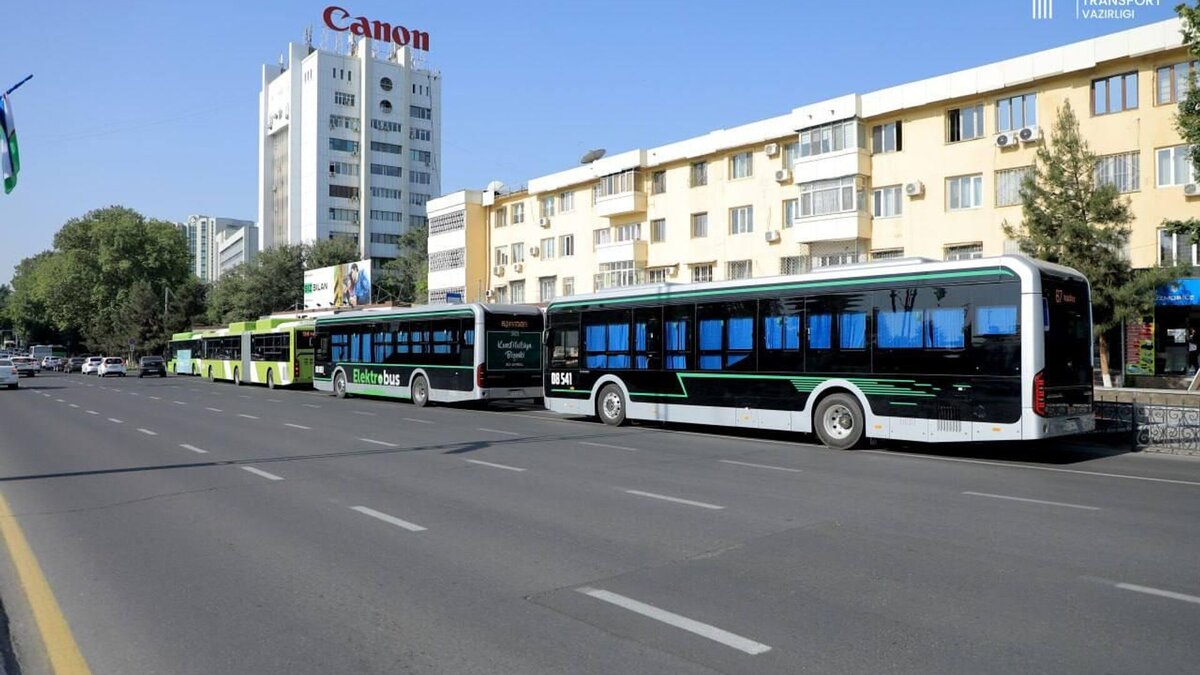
(202, 233)
(236, 246)
(349, 146)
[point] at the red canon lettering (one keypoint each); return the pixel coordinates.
(328, 16)
(376, 30)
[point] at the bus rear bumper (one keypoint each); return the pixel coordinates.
(503, 393)
(1052, 427)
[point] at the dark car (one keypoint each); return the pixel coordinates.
(152, 365)
(74, 364)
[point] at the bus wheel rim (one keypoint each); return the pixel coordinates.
(839, 422)
(611, 405)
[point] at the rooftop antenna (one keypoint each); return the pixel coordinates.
(308, 37)
(592, 155)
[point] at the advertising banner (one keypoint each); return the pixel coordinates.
(346, 285)
(514, 350)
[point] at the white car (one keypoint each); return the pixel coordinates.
(111, 366)
(25, 365)
(8, 374)
(92, 365)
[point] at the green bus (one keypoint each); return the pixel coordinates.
(183, 353)
(277, 352)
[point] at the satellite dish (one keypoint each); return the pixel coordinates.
(495, 186)
(592, 155)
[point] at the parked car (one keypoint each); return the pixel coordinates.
(91, 365)
(112, 365)
(74, 364)
(152, 365)
(8, 374)
(26, 366)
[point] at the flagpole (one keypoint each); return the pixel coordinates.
(17, 85)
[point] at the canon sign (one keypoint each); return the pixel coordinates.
(340, 20)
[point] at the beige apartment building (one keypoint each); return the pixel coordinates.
(930, 168)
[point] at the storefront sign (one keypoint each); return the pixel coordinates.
(1179, 293)
(340, 20)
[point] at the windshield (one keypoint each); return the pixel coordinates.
(5, 362)
(1066, 307)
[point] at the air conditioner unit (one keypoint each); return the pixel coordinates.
(771, 149)
(783, 175)
(544, 221)
(354, 197)
(498, 271)
(1030, 134)
(673, 270)
(354, 152)
(914, 189)
(1192, 189)
(519, 267)
(489, 294)
(1006, 140)
(534, 251)
(772, 236)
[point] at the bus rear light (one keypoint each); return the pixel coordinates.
(296, 369)
(480, 373)
(1039, 393)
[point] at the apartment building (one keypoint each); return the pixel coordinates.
(930, 168)
(205, 235)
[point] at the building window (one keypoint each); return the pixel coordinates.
(1175, 166)
(385, 84)
(887, 254)
(738, 269)
(385, 125)
(658, 182)
(615, 184)
(790, 264)
(629, 232)
(390, 148)
(547, 206)
(518, 213)
(343, 168)
(566, 202)
(1171, 82)
(344, 191)
(343, 98)
(419, 134)
(420, 112)
(343, 145)
(518, 252)
(658, 230)
(791, 154)
(829, 138)
(741, 219)
(382, 238)
(1008, 185)
(449, 222)
(1016, 112)
(1122, 171)
(657, 275)
(963, 124)
(699, 174)
(500, 256)
(385, 107)
(702, 272)
(964, 251)
(344, 215)
(502, 295)
(568, 285)
(601, 236)
(741, 165)
(824, 197)
(420, 177)
(452, 259)
(546, 288)
(386, 193)
(417, 198)
(546, 248)
(417, 222)
(385, 170)
(423, 156)
(791, 209)
(699, 225)
(886, 137)
(1175, 249)
(517, 291)
(343, 122)
(387, 216)
(500, 217)
(1115, 94)
(887, 202)
(964, 192)
(566, 245)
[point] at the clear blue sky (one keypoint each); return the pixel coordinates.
(153, 105)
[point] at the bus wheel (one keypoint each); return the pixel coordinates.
(270, 380)
(839, 421)
(339, 384)
(610, 406)
(237, 378)
(420, 392)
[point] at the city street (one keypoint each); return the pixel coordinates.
(190, 527)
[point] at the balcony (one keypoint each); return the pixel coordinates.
(618, 251)
(832, 227)
(619, 194)
(618, 279)
(851, 162)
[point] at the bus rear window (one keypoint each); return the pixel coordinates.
(1068, 331)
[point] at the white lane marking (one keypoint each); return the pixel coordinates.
(360, 412)
(297, 426)
(155, 398)
(60, 400)
(677, 500)
(606, 445)
(179, 402)
(92, 412)
(704, 630)
(311, 405)
(115, 420)
(249, 417)
(193, 448)
(1032, 501)
(215, 409)
(243, 396)
(274, 400)
(148, 432)
(134, 393)
(413, 419)
(73, 405)
(498, 431)
(496, 466)
(383, 443)
(260, 472)
(1034, 468)
(116, 390)
(193, 389)
(411, 527)
(1159, 592)
(759, 466)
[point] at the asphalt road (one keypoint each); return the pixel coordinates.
(189, 527)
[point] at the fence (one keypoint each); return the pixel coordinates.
(1151, 426)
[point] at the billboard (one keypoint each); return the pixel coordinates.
(347, 285)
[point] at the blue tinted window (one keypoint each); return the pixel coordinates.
(710, 334)
(676, 345)
(595, 339)
(741, 333)
(996, 320)
(852, 330)
(899, 330)
(946, 328)
(820, 331)
(782, 332)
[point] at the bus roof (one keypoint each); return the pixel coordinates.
(430, 310)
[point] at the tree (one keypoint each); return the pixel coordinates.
(1187, 120)
(327, 252)
(1071, 220)
(405, 279)
(273, 282)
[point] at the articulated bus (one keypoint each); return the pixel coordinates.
(985, 349)
(183, 353)
(445, 353)
(277, 352)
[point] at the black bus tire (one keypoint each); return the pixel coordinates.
(420, 391)
(839, 421)
(339, 384)
(610, 405)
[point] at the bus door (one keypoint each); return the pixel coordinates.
(247, 367)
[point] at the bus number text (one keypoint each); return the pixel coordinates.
(563, 379)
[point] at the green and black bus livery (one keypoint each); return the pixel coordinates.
(447, 354)
(987, 349)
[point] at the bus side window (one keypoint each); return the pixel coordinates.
(678, 337)
(647, 339)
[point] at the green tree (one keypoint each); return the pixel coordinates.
(327, 252)
(405, 279)
(1071, 220)
(1187, 120)
(273, 282)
